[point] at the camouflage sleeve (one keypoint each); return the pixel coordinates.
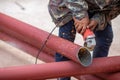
(114, 12)
(78, 8)
(101, 19)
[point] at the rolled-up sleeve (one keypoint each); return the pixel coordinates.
(106, 17)
(101, 19)
(114, 12)
(78, 8)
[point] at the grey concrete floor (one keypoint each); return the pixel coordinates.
(35, 12)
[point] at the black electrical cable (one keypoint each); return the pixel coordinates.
(44, 44)
(46, 41)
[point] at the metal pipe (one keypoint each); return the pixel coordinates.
(60, 69)
(44, 56)
(115, 76)
(103, 76)
(36, 37)
(109, 76)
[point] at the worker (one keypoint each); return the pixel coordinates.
(77, 15)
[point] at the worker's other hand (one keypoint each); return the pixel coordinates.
(92, 24)
(81, 25)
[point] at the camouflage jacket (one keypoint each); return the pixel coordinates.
(62, 11)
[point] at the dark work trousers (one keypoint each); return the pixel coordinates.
(103, 41)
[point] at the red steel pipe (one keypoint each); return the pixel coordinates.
(37, 37)
(109, 76)
(103, 76)
(26, 47)
(60, 69)
(115, 76)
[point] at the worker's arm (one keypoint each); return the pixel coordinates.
(98, 22)
(109, 12)
(113, 13)
(79, 9)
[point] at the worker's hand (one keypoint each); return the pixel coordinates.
(81, 25)
(92, 24)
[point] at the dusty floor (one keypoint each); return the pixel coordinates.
(35, 12)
